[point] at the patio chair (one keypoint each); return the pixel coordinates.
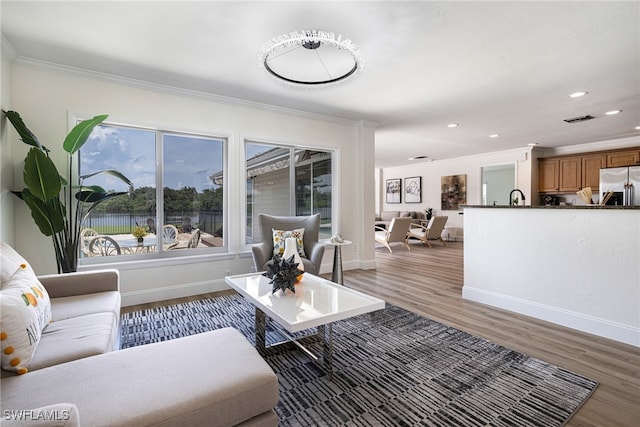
(169, 234)
(432, 231)
(313, 250)
(194, 241)
(396, 233)
(86, 235)
(104, 246)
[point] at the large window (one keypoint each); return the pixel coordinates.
(287, 181)
(176, 198)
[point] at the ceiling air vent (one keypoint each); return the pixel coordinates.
(580, 119)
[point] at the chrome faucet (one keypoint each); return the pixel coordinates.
(511, 194)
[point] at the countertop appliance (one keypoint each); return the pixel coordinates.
(625, 184)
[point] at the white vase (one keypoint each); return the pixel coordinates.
(291, 248)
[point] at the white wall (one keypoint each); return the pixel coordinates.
(45, 95)
(7, 199)
(576, 267)
(431, 172)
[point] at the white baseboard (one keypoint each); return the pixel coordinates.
(170, 292)
(582, 322)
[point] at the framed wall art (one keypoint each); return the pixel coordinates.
(413, 189)
(453, 192)
(394, 190)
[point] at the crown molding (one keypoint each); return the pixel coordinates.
(7, 49)
(174, 90)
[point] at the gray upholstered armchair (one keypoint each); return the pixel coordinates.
(263, 252)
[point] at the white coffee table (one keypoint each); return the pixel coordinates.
(317, 302)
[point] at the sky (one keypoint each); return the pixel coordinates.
(188, 160)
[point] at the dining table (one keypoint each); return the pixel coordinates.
(129, 243)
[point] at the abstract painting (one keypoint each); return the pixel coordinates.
(453, 192)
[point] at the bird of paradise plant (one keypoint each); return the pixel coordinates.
(57, 207)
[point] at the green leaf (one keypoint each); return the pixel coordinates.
(25, 134)
(41, 176)
(109, 172)
(48, 216)
(80, 133)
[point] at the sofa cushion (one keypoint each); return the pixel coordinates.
(389, 215)
(81, 305)
(280, 237)
(75, 338)
(215, 378)
(25, 310)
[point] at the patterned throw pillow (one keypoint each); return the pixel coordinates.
(25, 310)
(280, 237)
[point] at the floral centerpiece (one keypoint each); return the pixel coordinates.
(139, 232)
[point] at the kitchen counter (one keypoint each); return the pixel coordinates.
(598, 207)
(577, 266)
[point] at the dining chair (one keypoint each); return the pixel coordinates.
(194, 241)
(169, 234)
(395, 233)
(432, 231)
(104, 246)
(86, 235)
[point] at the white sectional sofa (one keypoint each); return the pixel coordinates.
(77, 375)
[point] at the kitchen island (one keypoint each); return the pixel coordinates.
(577, 266)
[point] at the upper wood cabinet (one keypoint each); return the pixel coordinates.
(548, 176)
(591, 166)
(570, 174)
(623, 158)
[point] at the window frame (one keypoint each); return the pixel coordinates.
(160, 257)
(292, 147)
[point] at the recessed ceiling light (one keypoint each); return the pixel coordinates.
(578, 94)
(494, 135)
(612, 112)
(637, 127)
(453, 125)
(532, 144)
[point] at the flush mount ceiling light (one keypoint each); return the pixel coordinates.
(494, 135)
(311, 58)
(453, 125)
(613, 112)
(578, 94)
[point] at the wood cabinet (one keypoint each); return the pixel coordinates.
(548, 176)
(591, 166)
(623, 158)
(570, 174)
(560, 175)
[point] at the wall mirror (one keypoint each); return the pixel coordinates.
(497, 182)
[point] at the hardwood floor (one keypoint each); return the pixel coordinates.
(429, 281)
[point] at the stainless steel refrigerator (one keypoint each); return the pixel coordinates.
(625, 184)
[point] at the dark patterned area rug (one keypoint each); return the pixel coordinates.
(391, 368)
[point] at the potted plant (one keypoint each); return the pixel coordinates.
(58, 207)
(428, 213)
(139, 232)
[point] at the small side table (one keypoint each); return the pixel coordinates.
(336, 275)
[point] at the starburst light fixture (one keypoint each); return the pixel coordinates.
(311, 58)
